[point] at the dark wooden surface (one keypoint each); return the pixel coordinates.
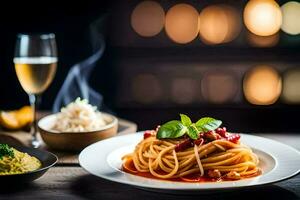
(72, 182)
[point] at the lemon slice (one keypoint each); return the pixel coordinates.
(25, 115)
(16, 119)
(8, 120)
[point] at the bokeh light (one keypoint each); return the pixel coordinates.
(291, 86)
(184, 90)
(219, 87)
(182, 23)
(262, 17)
(146, 88)
(148, 18)
(262, 41)
(262, 85)
(291, 17)
(219, 24)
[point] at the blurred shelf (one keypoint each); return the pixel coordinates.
(216, 54)
(249, 119)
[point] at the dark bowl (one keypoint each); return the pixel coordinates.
(47, 159)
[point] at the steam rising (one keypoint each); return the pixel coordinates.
(76, 83)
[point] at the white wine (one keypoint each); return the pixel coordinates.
(35, 73)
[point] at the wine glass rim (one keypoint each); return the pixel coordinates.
(39, 35)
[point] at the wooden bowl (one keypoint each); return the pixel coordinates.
(75, 141)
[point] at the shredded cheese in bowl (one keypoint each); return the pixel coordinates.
(79, 116)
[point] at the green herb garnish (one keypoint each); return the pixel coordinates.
(176, 128)
(6, 150)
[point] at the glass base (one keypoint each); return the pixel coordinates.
(35, 143)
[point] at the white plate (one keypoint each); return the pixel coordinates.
(103, 159)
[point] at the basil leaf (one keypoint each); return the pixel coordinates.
(193, 132)
(171, 129)
(186, 121)
(208, 124)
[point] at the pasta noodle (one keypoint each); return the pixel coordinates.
(18, 164)
(218, 158)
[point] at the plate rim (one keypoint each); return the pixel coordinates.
(155, 187)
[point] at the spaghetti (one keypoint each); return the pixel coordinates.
(213, 155)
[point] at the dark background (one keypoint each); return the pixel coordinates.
(128, 54)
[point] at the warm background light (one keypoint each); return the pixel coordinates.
(219, 24)
(291, 86)
(262, 17)
(291, 17)
(182, 23)
(184, 90)
(146, 88)
(262, 85)
(148, 18)
(262, 41)
(219, 87)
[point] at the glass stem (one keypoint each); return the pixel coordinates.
(34, 102)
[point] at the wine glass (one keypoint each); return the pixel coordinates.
(35, 64)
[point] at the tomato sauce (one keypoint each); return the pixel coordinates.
(129, 167)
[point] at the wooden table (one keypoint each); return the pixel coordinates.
(69, 181)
